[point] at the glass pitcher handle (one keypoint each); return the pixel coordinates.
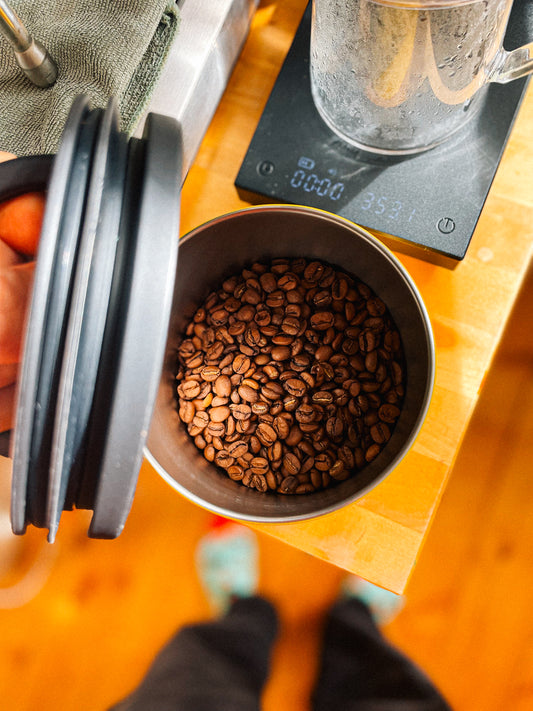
(508, 66)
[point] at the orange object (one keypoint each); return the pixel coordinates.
(21, 220)
(8, 256)
(15, 287)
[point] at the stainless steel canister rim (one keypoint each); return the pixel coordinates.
(210, 253)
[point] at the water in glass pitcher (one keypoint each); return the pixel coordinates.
(396, 78)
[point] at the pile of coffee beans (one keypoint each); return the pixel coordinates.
(290, 377)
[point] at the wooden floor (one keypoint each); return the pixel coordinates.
(80, 629)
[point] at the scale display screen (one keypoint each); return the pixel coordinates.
(426, 204)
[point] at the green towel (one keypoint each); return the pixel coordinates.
(103, 48)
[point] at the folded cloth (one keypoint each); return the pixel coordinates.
(102, 48)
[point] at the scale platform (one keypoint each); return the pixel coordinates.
(426, 204)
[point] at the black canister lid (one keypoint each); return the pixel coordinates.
(98, 320)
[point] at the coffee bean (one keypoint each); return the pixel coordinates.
(379, 432)
(334, 427)
(305, 414)
(294, 437)
(290, 325)
(237, 328)
(210, 373)
(359, 457)
(262, 316)
(322, 299)
(252, 336)
(314, 271)
(294, 296)
(231, 427)
(291, 464)
(275, 451)
(280, 353)
(219, 317)
(339, 288)
(268, 282)
(189, 389)
(259, 482)
(367, 341)
(186, 349)
(372, 452)
(214, 351)
(346, 456)
(288, 485)
(248, 394)
(276, 299)
(241, 364)
(389, 413)
(295, 387)
(260, 407)
(235, 472)
(308, 379)
(305, 446)
(322, 397)
(322, 320)
(247, 478)
(283, 339)
(222, 386)
(271, 371)
(244, 426)
(282, 426)
(241, 412)
(186, 411)
(293, 308)
(201, 420)
(237, 448)
(216, 429)
(397, 374)
(247, 350)
(300, 361)
(304, 489)
(323, 462)
(251, 296)
(323, 353)
(370, 419)
(316, 478)
(271, 481)
(271, 390)
(259, 465)
(338, 471)
(223, 459)
(375, 307)
(219, 414)
(266, 434)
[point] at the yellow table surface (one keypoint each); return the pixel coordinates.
(379, 536)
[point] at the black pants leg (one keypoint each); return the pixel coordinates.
(361, 671)
(214, 666)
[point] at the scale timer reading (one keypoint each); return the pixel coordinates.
(305, 178)
(427, 204)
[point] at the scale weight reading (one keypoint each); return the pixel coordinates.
(426, 204)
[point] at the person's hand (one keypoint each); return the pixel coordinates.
(20, 226)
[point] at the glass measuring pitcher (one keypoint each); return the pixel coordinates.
(401, 76)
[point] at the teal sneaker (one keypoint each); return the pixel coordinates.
(383, 604)
(227, 561)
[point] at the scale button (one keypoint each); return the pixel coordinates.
(446, 225)
(265, 167)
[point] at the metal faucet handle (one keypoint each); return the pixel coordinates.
(31, 56)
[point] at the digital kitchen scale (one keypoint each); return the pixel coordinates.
(426, 204)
